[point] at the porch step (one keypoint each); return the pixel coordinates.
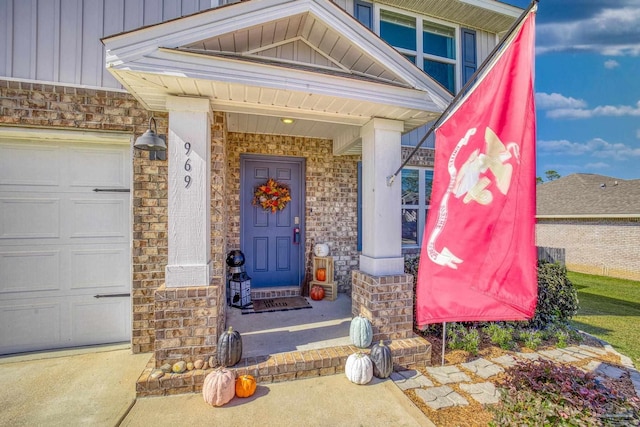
(407, 353)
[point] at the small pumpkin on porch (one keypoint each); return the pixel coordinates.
(316, 293)
(321, 274)
(229, 350)
(382, 361)
(361, 332)
(245, 386)
(218, 387)
(359, 369)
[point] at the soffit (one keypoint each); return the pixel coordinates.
(487, 15)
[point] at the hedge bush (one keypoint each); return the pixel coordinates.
(557, 297)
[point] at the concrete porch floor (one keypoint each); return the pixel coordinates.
(324, 325)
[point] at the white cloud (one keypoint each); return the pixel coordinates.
(612, 30)
(596, 147)
(550, 101)
(599, 111)
(611, 64)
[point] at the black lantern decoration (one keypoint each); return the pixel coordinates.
(152, 142)
(239, 294)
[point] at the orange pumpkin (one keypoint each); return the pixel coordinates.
(321, 274)
(317, 293)
(245, 386)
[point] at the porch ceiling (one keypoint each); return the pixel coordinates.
(262, 60)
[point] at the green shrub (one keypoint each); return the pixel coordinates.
(461, 338)
(557, 298)
(500, 334)
(531, 338)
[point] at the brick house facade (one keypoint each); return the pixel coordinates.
(183, 322)
(595, 219)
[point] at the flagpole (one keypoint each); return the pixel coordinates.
(444, 339)
(462, 92)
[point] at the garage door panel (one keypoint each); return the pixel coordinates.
(30, 325)
(98, 218)
(106, 270)
(29, 218)
(107, 318)
(98, 168)
(30, 271)
(29, 164)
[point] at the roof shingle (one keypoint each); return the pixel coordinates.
(588, 194)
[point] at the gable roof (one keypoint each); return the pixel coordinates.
(588, 195)
(272, 52)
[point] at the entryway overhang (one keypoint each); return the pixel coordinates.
(263, 60)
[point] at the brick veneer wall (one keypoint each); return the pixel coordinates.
(607, 247)
(387, 302)
(331, 199)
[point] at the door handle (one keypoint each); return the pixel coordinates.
(296, 236)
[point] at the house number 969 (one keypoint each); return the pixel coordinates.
(187, 165)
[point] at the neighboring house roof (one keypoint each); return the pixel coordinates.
(588, 195)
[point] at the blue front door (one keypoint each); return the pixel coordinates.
(272, 242)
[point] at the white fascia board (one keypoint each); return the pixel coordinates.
(496, 6)
(189, 65)
(594, 216)
(373, 45)
(190, 29)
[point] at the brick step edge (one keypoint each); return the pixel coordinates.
(408, 353)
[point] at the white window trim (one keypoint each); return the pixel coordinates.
(422, 207)
(419, 53)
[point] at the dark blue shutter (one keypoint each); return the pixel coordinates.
(469, 57)
(363, 12)
(359, 206)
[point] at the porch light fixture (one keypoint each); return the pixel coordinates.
(287, 121)
(152, 142)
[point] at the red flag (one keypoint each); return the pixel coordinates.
(478, 259)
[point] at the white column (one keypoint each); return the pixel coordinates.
(189, 200)
(381, 208)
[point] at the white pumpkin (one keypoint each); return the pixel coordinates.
(359, 368)
(321, 249)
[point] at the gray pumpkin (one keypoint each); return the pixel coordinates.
(361, 332)
(382, 361)
(229, 348)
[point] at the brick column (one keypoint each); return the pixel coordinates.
(188, 321)
(387, 301)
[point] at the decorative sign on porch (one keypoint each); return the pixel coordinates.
(272, 195)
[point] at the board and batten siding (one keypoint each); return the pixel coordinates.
(58, 41)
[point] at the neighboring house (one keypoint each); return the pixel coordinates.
(596, 219)
(80, 80)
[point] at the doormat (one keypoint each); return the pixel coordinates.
(277, 304)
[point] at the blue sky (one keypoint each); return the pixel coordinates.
(588, 86)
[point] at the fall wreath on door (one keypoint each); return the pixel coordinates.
(272, 195)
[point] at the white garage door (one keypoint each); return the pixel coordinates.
(64, 247)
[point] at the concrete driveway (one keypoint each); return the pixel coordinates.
(85, 387)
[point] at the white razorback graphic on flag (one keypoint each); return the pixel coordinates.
(471, 184)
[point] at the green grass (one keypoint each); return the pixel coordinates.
(610, 310)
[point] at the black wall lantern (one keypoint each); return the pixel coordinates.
(152, 142)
